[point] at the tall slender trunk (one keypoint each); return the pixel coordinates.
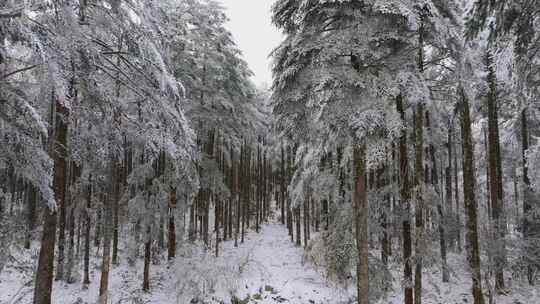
(71, 247)
(456, 196)
(298, 228)
(473, 247)
(61, 203)
(243, 190)
(107, 236)
(527, 193)
(405, 196)
(419, 200)
(147, 258)
(258, 198)
(44, 273)
(282, 185)
(361, 211)
(115, 212)
(171, 244)
(57, 149)
(448, 186)
(385, 242)
(495, 172)
(289, 211)
(86, 275)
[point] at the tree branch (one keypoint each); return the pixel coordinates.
(19, 71)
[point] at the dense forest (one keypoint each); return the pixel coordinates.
(394, 159)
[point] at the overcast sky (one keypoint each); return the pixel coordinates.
(251, 26)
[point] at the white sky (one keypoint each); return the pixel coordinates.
(251, 25)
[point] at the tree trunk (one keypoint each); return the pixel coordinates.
(419, 206)
(385, 240)
(171, 244)
(147, 258)
(361, 210)
(405, 196)
(282, 185)
(61, 148)
(97, 230)
(86, 275)
(243, 190)
(115, 212)
(71, 247)
(456, 196)
(448, 190)
(527, 194)
(495, 181)
(44, 276)
(298, 215)
(473, 248)
(107, 235)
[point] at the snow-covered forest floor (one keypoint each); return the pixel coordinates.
(266, 268)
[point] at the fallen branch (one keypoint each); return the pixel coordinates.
(19, 71)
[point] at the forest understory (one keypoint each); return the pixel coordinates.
(267, 268)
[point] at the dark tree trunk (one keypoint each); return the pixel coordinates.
(419, 204)
(528, 230)
(107, 235)
(61, 187)
(71, 246)
(473, 247)
(495, 181)
(405, 196)
(449, 192)
(298, 215)
(282, 185)
(171, 244)
(385, 240)
(456, 197)
(361, 210)
(44, 276)
(86, 275)
(115, 212)
(147, 258)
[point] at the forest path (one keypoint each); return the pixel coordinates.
(277, 272)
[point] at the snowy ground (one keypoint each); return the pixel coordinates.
(267, 268)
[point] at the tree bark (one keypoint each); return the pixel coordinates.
(448, 190)
(61, 150)
(527, 193)
(147, 258)
(405, 196)
(115, 212)
(107, 235)
(495, 181)
(86, 275)
(456, 196)
(419, 206)
(361, 210)
(282, 185)
(44, 276)
(473, 248)
(171, 244)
